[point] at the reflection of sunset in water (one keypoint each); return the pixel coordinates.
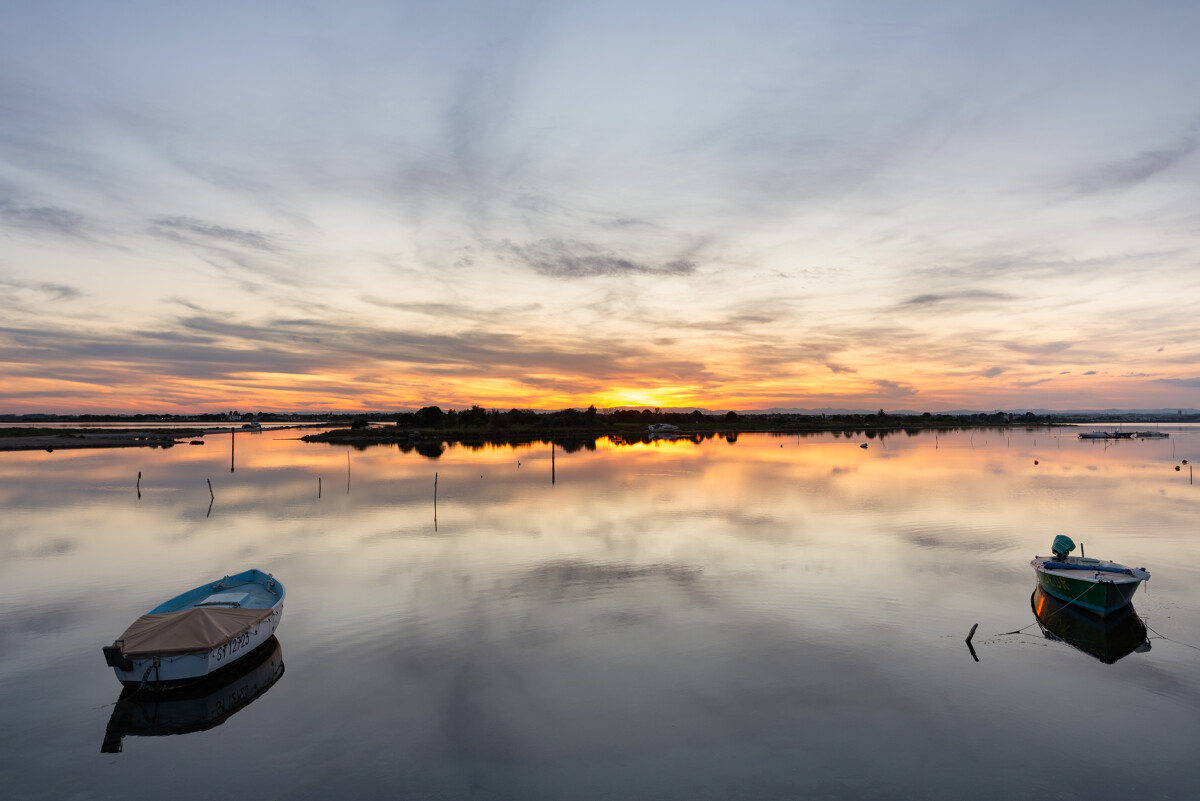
(795, 572)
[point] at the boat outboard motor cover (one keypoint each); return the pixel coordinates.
(1062, 546)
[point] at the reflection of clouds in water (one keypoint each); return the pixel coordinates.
(589, 661)
(660, 622)
(18, 623)
(572, 577)
(58, 546)
(982, 539)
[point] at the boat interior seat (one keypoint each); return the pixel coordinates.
(231, 599)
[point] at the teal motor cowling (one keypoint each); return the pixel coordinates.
(1062, 546)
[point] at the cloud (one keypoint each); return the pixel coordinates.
(58, 291)
(211, 349)
(1189, 383)
(839, 368)
(992, 372)
(894, 389)
(1039, 349)
(557, 258)
(42, 218)
(955, 297)
(1090, 372)
(1034, 383)
(1140, 168)
(49, 290)
(179, 229)
(458, 311)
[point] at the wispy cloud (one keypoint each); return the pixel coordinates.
(1189, 383)
(1136, 170)
(557, 258)
(980, 295)
(54, 219)
(188, 228)
(204, 348)
(1039, 348)
(840, 368)
(18, 294)
(458, 311)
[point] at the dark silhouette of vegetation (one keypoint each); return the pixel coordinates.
(573, 429)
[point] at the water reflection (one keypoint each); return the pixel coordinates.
(199, 707)
(1107, 638)
(666, 619)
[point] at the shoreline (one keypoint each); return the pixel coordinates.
(52, 439)
(78, 440)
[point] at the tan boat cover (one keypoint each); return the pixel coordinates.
(187, 631)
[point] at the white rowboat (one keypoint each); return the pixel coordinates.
(199, 632)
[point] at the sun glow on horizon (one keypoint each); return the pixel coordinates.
(662, 397)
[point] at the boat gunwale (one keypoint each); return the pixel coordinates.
(1136, 574)
(251, 576)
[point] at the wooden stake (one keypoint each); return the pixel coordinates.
(970, 647)
(210, 492)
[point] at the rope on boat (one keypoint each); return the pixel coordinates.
(145, 678)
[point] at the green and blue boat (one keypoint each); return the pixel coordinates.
(1099, 586)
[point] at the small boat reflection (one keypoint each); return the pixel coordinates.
(197, 707)
(1106, 638)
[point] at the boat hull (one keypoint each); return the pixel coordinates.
(198, 633)
(201, 706)
(1101, 596)
(1108, 638)
(180, 670)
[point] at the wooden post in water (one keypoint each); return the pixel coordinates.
(232, 434)
(210, 492)
(318, 486)
(139, 484)
(435, 500)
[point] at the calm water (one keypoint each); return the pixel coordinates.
(776, 617)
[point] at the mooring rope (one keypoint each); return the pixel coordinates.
(1168, 639)
(1037, 620)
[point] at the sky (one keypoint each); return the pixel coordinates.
(310, 206)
